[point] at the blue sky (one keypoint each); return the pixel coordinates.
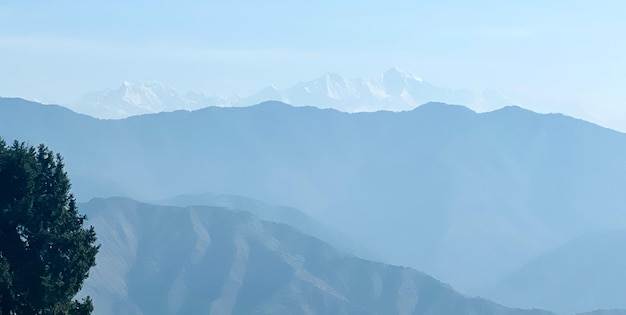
(550, 56)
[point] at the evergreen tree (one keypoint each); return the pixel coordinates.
(45, 252)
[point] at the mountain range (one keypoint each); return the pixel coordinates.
(395, 90)
(469, 198)
(132, 99)
(209, 260)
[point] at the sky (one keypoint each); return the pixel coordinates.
(549, 56)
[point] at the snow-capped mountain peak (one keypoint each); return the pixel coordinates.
(332, 85)
(398, 82)
(133, 99)
(395, 71)
(394, 90)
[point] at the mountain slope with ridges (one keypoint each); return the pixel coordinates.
(208, 260)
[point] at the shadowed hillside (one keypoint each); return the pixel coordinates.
(281, 214)
(207, 260)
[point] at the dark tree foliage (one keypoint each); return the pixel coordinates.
(45, 252)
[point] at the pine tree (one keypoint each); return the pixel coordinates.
(45, 252)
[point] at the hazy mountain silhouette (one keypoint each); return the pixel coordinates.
(209, 260)
(463, 196)
(580, 275)
(605, 312)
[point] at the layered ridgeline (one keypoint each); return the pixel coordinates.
(209, 260)
(465, 197)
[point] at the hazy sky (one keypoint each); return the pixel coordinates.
(550, 56)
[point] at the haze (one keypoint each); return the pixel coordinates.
(557, 56)
(275, 157)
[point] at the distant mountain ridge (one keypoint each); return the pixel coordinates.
(395, 90)
(207, 260)
(586, 272)
(605, 312)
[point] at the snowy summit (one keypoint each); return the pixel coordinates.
(395, 90)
